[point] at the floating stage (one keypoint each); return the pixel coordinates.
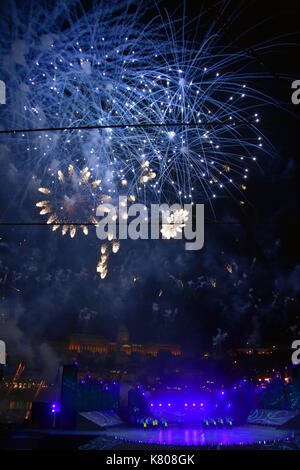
(182, 436)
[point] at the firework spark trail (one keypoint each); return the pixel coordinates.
(36, 395)
(105, 67)
(19, 371)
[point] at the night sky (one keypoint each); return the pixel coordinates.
(244, 283)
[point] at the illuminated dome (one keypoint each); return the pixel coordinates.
(123, 335)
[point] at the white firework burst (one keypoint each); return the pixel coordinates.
(173, 223)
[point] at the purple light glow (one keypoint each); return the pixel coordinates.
(55, 407)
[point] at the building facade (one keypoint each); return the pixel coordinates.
(94, 345)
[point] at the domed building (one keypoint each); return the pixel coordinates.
(123, 346)
(123, 335)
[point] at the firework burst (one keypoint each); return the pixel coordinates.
(174, 223)
(71, 201)
(181, 117)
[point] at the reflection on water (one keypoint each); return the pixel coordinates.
(187, 437)
(198, 436)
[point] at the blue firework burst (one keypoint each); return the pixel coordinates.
(180, 114)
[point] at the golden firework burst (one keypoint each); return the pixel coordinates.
(72, 201)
